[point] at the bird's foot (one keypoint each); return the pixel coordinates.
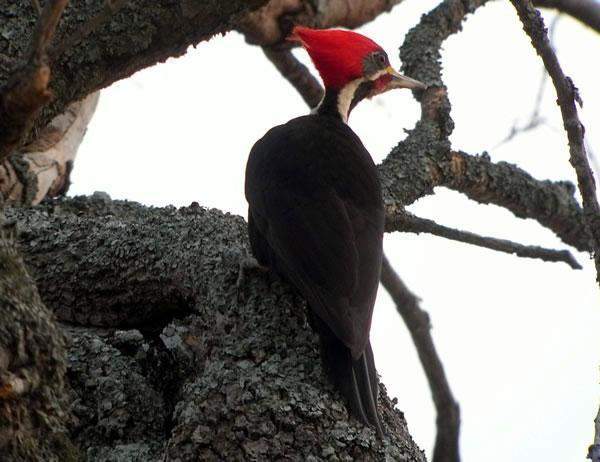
(247, 263)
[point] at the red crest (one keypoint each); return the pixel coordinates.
(337, 54)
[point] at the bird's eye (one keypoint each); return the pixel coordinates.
(381, 59)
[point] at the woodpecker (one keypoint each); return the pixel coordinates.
(316, 214)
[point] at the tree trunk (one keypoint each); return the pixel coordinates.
(181, 364)
(32, 367)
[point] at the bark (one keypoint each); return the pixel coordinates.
(26, 91)
(32, 406)
(270, 24)
(184, 366)
(568, 98)
(586, 11)
(43, 167)
(89, 54)
(425, 159)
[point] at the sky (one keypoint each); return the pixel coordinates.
(518, 337)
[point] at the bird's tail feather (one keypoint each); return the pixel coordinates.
(356, 379)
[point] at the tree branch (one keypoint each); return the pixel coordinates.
(246, 382)
(408, 222)
(270, 24)
(32, 366)
(417, 321)
(137, 36)
(586, 11)
(297, 74)
(110, 8)
(42, 168)
(425, 159)
(26, 92)
(568, 95)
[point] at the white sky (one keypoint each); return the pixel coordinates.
(518, 337)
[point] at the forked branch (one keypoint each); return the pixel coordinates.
(568, 96)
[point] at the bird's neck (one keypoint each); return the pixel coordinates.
(339, 102)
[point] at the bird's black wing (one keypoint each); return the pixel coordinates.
(315, 201)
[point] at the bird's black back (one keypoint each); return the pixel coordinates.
(316, 217)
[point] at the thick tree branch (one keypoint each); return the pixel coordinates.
(138, 35)
(42, 168)
(448, 413)
(419, 164)
(425, 159)
(567, 97)
(26, 92)
(32, 366)
(408, 222)
(586, 11)
(269, 25)
(110, 8)
(247, 382)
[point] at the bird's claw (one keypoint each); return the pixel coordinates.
(247, 263)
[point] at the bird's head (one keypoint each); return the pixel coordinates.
(352, 66)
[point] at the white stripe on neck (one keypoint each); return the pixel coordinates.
(345, 97)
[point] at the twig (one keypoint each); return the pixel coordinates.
(26, 92)
(586, 11)
(417, 321)
(297, 74)
(567, 96)
(110, 8)
(408, 222)
(535, 120)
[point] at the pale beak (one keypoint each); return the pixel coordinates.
(401, 81)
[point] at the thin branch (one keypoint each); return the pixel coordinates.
(269, 25)
(408, 222)
(417, 321)
(586, 11)
(297, 74)
(26, 92)
(568, 95)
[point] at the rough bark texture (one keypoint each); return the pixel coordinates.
(42, 169)
(425, 159)
(270, 24)
(32, 367)
(185, 366)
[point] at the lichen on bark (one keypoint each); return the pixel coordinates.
(33, 410)
(222, 374)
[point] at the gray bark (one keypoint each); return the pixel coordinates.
(183, 365)
(138, 35)
(33, 410)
